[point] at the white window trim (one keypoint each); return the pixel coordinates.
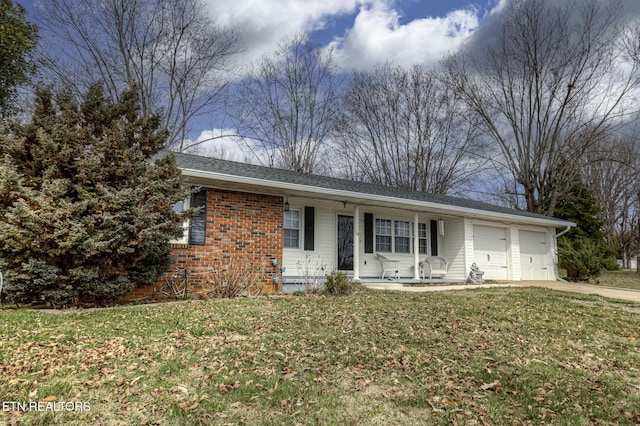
(300, 221)
(185, 225)
(375, 234)
(426, 238)
(408, 237)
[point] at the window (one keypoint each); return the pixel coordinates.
(179, 207)
(194, 229)
(383, 235)
(423, 236)
(402, 237)
(292, 229)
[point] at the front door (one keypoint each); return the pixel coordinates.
(345, 243)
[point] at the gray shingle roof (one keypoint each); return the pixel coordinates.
(196, 162)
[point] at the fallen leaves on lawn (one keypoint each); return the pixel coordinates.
(454, 358)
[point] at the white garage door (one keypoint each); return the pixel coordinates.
(490, 251)
(533, 255)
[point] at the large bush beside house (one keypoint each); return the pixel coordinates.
(85, 214)
(581, 258)
(583, 251)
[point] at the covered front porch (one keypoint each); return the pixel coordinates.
(328, 236)
(351, 254)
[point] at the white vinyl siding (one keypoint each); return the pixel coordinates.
(298, 262)
(451, 247)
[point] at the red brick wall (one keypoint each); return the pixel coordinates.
(238, 224)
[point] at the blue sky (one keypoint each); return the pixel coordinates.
(361, 32)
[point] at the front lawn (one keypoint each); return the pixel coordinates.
(487, 356)
(623, 279)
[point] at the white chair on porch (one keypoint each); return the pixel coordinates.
(437, 266)
(388, 265)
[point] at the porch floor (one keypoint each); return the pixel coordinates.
(418, 286)
(408, 281)
(404, 284)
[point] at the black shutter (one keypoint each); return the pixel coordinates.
(368, 233)
(198, 225)
(309, 227)
(434, 237)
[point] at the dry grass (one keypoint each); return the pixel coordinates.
(488, 357)
(622, 279)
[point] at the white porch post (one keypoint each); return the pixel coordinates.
(356, 243)
(416, 248)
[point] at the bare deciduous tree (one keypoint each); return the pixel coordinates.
(288, 104)
(169, 51)
(611, 170)
(404, 128)
(548, 89)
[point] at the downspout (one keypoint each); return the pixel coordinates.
(555, 263)
(564, 232)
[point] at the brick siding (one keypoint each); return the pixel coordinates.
(239, 224)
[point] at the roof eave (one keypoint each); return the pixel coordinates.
(334, 194)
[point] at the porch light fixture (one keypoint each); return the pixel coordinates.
(286, 206)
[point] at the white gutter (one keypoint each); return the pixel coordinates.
(339, 193)
(563, 232)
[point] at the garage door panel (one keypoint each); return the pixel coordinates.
(490, 248)
(533, 255)
(488, 238)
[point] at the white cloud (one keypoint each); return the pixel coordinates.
(218, 143)
(260, 24)
(377, 36)
(378, 33)
(224, 144)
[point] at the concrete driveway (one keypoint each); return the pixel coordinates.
(609, 292)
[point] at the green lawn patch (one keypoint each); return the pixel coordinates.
(621, 279)
(487, 356)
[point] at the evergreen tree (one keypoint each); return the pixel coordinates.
(17, 40)
(85, 214)
(583, 250)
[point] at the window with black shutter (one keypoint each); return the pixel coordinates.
(198, 223)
